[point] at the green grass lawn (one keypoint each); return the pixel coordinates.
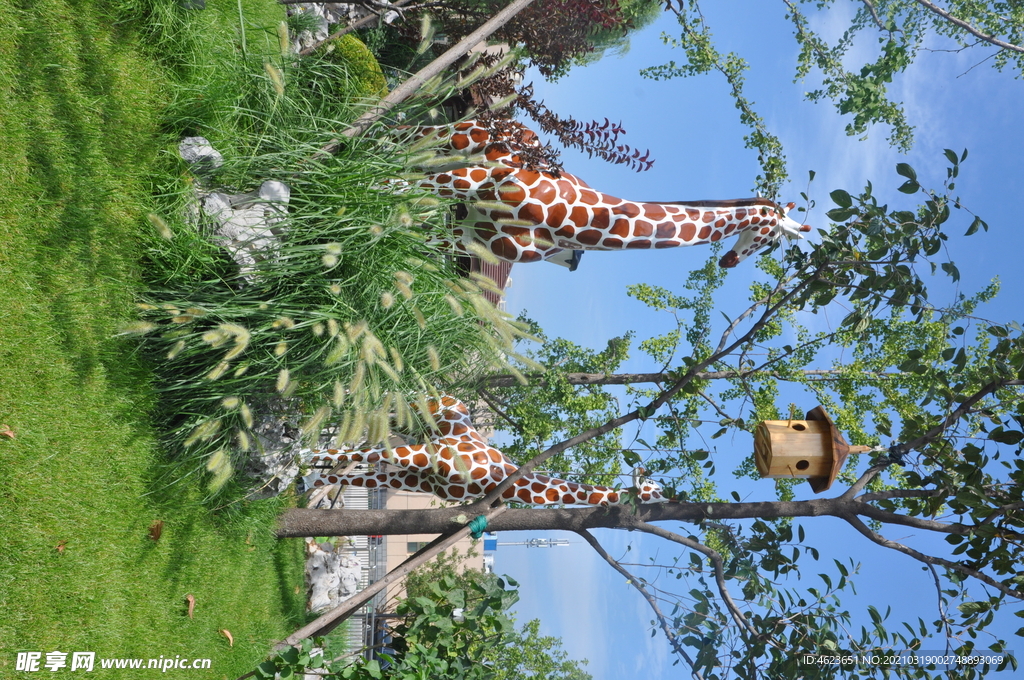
(80, 132)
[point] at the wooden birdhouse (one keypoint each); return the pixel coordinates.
(812, 448)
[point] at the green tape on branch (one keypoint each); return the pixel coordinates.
(477, 525)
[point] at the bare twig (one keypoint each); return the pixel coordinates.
(719, 567)
(633, 581)
(368, 19)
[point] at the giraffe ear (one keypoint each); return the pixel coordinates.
(790, 206)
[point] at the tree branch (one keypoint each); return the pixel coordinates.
(632, 580)
(929, 559)
(970, 29)
(719, 567)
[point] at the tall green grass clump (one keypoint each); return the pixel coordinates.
(351, 320)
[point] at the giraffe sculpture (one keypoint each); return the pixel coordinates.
(542, 214)
(462, 467)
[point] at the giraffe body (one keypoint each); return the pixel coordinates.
(462, 467)
(542, 214)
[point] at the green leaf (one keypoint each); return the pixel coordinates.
(909, 187)
(906, 171)
(969, 608)
(951, 269)
(951, 155)
(978, 222)
(841, 198)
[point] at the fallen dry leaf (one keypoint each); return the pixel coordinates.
(155, 529)
(191, 604)
(227, 633)
(60, 547)
(297, 590)
(6, 432)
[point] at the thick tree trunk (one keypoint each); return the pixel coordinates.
(302, 522)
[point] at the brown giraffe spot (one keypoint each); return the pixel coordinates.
(708, 217)
(425, 485)
(581, 494)
(729, 229)
(552, 495)
(527, 177)
(545, 192)
(537, 487)
(567, 191)
(693, 214)
(668, 243)
(568, 499)
(621, 227)
(420, 460)
(643, 243)
(332, 479)
(772, 222)
(654, 212)
(589, 197)
(743, 225)
(720, 223)
(461, 184)
(494, 153)
(463, 126)
(459, 429)
(704, 232)
(531, 256)
(479, 135)
(613, 497)
(478, 174)
(765, 230)
(601, 218)
(505, 248)
(627, 209)
(531, 212)
(396, 483)
(741, 213)
(443, 468)
(755, 220)
(524, 495)
(556, 215)
(580, 216)
(613, 243)
(465, 447)
(716, 236)
(514, 231)
(608, 200)
(357, 457)
(485, 230)
(474, 489)
(460, 141)
(480, 457)
(595, 499)
(589, 237)
(666, 230)
(512, 194)
(371, 483)
(455, 491)
(445, 192)
(477, 473)
(642, 228)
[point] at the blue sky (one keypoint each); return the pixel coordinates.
(693, 131)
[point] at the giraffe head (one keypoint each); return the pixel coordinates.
(649, 491)
(756, 237)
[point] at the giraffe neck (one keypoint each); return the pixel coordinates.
(598, 221)
(541, 489)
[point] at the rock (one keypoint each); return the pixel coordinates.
(333, 576)
(197, 152)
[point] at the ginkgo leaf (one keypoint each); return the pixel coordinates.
(191, 604)
(227, 633)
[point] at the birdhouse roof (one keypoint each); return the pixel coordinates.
(840, 450)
